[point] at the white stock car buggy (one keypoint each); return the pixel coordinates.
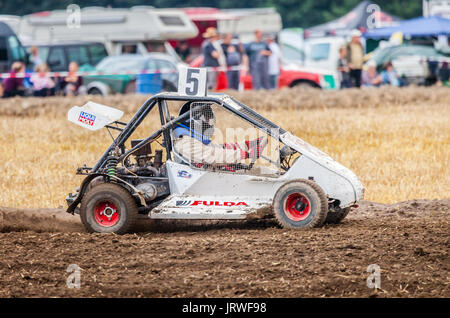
(152, 177)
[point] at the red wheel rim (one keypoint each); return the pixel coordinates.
(297, 207)
(106, 214)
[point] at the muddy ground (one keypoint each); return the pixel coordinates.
(409, 241)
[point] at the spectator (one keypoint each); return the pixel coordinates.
(274, 62)
(212, 55)
(444, 74)
(370, 77)
(43, 85)
(343, 68)
(13, 85)
(73, 83)
(184, 51)
(258, 53)
(34, 56)
(389, 76)
(233, 54)
(355, 56)
(129, 49)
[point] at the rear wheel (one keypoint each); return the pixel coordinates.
(300, 204)
(108, 208)
(336, 215)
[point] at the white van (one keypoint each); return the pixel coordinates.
(323, 52)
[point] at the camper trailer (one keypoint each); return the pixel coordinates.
(140, 29)
(246, 21)
(240, 22)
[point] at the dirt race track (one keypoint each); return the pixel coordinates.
(409, 241)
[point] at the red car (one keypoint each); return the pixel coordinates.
(289, 77)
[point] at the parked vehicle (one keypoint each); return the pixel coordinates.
(58, 55)
(291, 74)
(292, 45)
(323, 52)
(11, 49)
(139, 29)
(121, 72)
(409, 61)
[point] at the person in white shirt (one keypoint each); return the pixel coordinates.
(274, 62)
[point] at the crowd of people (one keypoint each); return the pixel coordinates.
(350, 67)
(352, 74)
(40, 83)
(261, 57)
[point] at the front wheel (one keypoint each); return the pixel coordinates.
(300, 204)
(108, 208)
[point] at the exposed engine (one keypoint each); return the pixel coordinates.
(146, 172)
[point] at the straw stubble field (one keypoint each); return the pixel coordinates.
(396, 140)
(399, 147)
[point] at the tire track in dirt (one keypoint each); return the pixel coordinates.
(38, 220)
(57, 220)
(408, 240)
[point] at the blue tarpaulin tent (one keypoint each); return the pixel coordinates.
(429, 26)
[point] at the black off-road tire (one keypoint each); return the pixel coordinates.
(314, 195)
(337, 216)
(116, 196)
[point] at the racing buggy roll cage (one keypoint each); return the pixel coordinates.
(127, 129)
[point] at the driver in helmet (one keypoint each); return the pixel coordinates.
(193, 140)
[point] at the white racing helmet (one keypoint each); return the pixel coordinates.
(200, 124)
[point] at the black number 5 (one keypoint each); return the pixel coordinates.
(192, 81)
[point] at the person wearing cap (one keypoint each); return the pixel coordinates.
(212, 55)
(355, 58)
(258, 53)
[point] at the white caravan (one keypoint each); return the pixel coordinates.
(140, 29)
(244, 22)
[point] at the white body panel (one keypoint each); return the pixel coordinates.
(337, 181)
(93, 116)
(199, 194)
